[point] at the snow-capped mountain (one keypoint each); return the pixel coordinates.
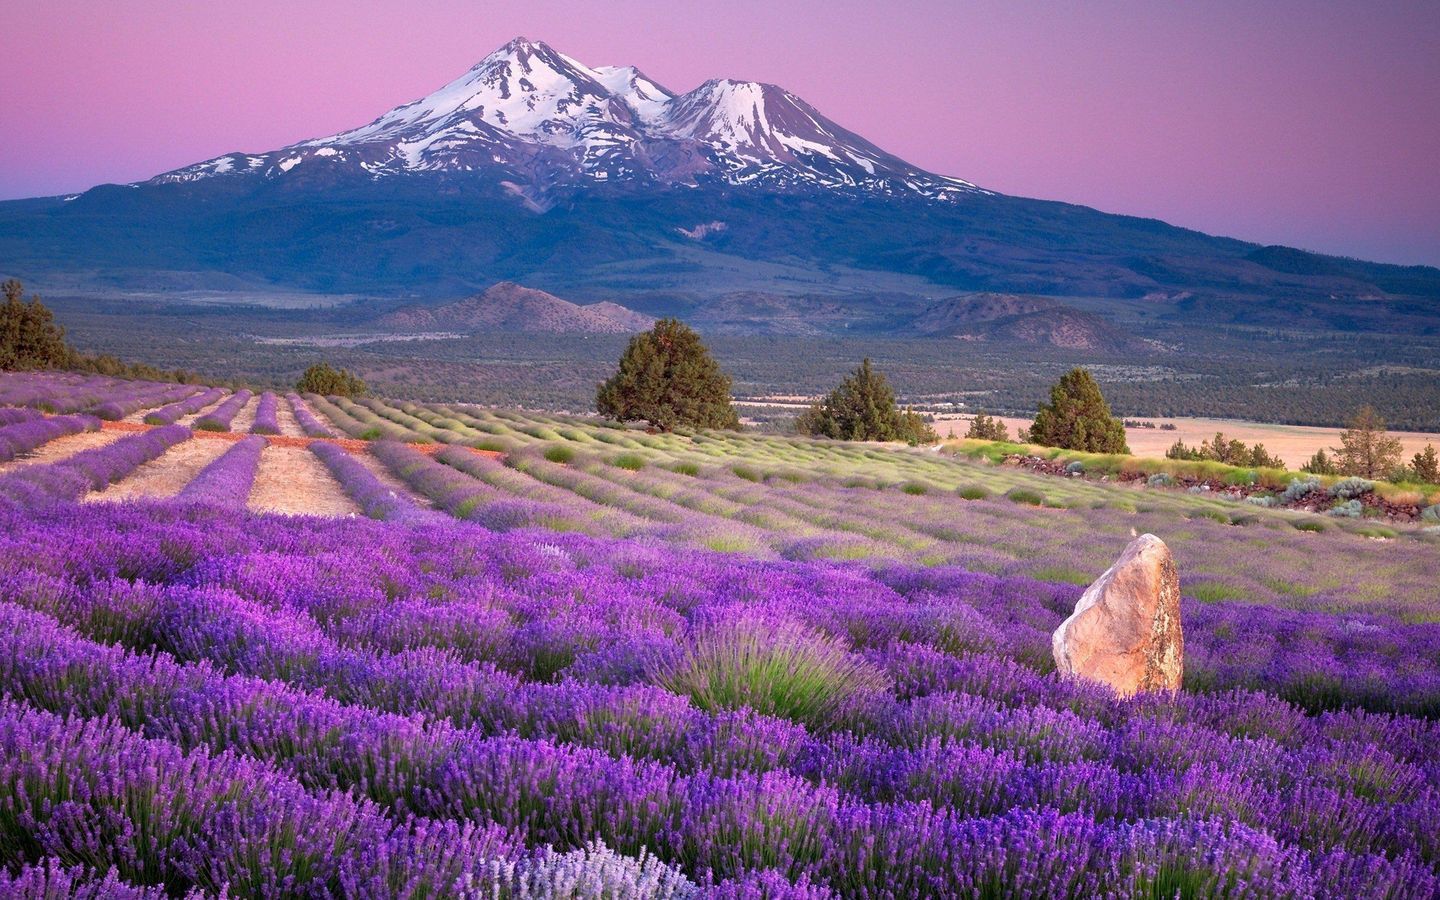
(539, 121)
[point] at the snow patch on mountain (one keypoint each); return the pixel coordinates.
(539, 121)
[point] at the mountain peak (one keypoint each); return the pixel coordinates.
(538, 122)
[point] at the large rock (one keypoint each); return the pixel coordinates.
(1125, 631)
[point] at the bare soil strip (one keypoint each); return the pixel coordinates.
(285, 418)
(62, 448)
(204, 411)
(245, 417)
(390, 481)
(294, 481)
(165, 476)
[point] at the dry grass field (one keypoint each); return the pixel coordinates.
(1293, 443)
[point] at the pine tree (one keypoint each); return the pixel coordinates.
(1320, 464)
(668, 378)
(29, 337)
(986, 428)
(1426, 465)
(1078, 418)
(1365, 449)
(863, 408)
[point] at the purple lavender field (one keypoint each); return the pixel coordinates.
(607, 663)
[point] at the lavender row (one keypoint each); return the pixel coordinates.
(13, 415)
(137, 396)
(24, 436)
(374, 499)
(220, 417)
(169, 415)
(266, 415)
(312, 426)
(227, 480)
(1294, 793)
(465, 497)
(258, 831)
(88, 470)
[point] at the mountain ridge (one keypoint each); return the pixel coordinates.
(602, 184)
(545, 122)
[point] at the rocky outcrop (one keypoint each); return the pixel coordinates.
(1125, 631)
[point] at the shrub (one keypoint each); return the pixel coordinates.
(1350, 488)
(747, 473)
(1074, 468)
(972, 492)
(559, 453)
(1349, 509)
(327, 381)
(685, 468)
(1027, 497)
(631, 462)
(775, 668)
(668, 378)
(1311, 525)
(1266, 500)
(1431, 513)
(1160, 479)
(915, 488)
(1300, 488)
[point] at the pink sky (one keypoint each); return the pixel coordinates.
(1310, 123)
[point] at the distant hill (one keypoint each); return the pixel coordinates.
(510, 307)
(1023, 319)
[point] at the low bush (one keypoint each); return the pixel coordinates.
(972, 492)
(559, 453)
(915, 488)
(1348, 509)
(775, 668)
(630, 462)
(1350, 488)
(1027, 497)
(1312, 525)
(1300, 488)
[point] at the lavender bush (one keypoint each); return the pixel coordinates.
(312, 426)
(266, 421)
(169, 415)
(27, 434)
(219, 419)
(227, 480)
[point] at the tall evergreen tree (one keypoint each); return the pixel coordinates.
(668, 378)
(29, 337)
(1078, 418)
(1365, 449)
(987, 428)
(863, 408)
(1427, 465)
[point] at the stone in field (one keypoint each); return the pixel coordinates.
(1125, 631)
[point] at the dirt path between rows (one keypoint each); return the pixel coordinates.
(203, 411)
(285, 417)
(61, 448)
(294, 481)
(164, 476)
(245, 417)
(386, 478)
